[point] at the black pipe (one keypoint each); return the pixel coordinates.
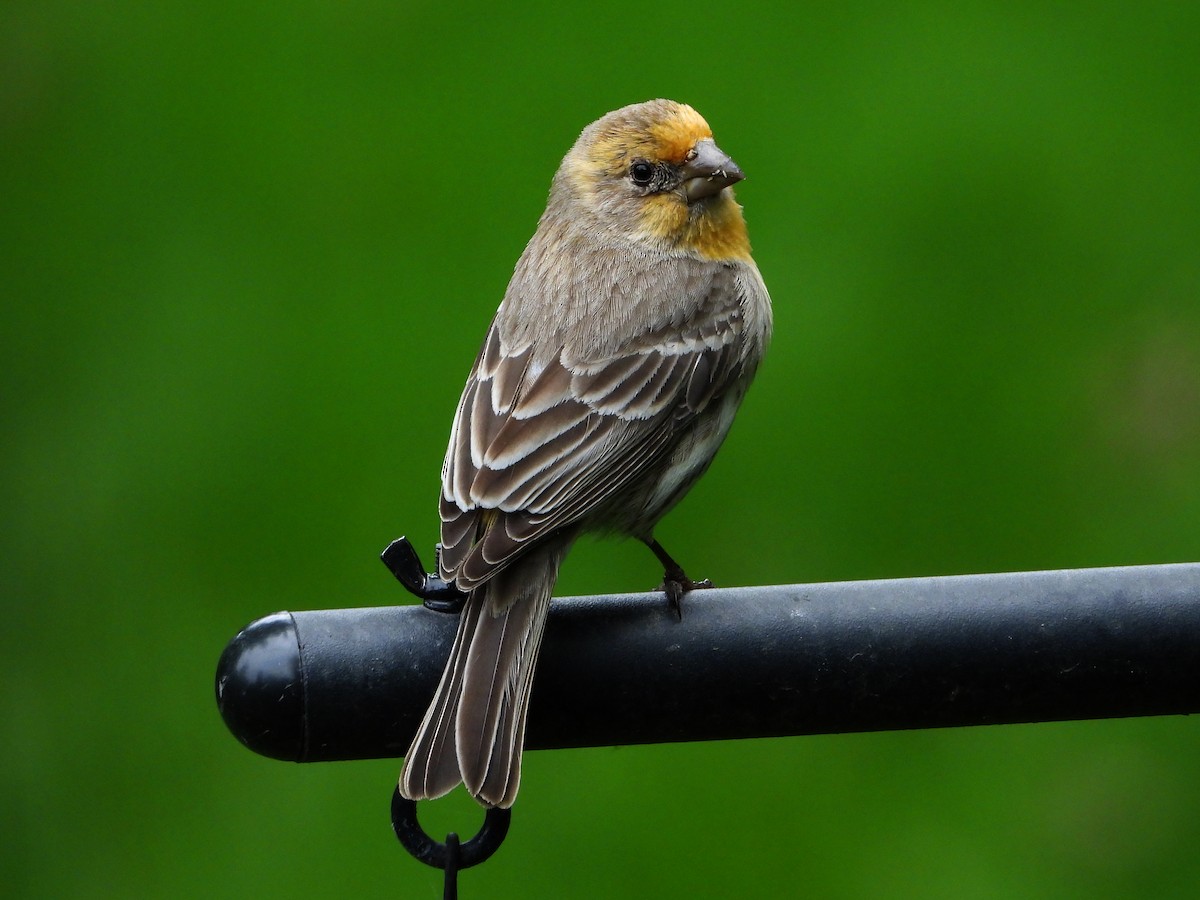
(744, 662)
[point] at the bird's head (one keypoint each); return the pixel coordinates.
(652, 172)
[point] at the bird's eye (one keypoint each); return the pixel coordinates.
(641, 172)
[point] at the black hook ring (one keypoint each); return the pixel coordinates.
(435, 853)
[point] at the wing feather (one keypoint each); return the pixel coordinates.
(540, 444)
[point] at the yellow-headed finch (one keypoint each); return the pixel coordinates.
(627, 338)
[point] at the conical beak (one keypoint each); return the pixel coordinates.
(708, 172)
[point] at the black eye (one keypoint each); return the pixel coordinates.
(641, 172)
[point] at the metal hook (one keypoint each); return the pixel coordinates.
(451, 855)
(402, 561)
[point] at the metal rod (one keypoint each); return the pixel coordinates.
(744, 662)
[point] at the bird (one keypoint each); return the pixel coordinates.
(625, 342)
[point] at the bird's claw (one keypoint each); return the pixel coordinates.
(675, 585)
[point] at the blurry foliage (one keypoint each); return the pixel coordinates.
(248, 254)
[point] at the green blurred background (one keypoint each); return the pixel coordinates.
(249, 252)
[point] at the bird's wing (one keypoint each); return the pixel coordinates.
(537, 447)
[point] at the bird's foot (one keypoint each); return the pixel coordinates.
(675, 584)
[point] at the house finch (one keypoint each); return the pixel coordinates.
(631, 329)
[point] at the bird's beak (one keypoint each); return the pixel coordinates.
(708, 172)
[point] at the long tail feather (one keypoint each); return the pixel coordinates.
(431, 764)
(475, 727)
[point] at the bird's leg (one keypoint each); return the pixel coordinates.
(675, 581)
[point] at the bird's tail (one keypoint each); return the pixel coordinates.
(474, 729)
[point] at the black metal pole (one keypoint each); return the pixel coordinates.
(744, 662)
